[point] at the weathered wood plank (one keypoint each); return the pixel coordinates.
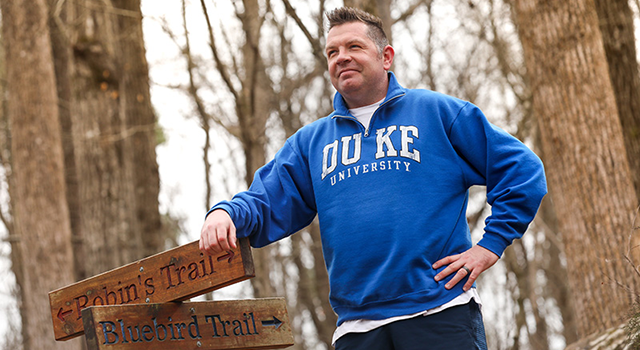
(174, 275)
(235, 324)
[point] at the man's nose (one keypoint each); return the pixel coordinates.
(343, 56)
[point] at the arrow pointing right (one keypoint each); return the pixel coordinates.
(229, 256)
(272, 323)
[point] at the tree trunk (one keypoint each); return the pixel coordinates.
(7, 219)
(556, 285)
(140, 121)
(62, 59)
(113, 136)
(549, 250)
(582, 141)
(110, 234)
(41, 213)
(616, 23)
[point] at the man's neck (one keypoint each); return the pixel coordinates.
(368, 98)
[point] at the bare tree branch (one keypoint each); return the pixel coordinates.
(214, 50)
(202, 113)
(318, 52)
(504, 54)
(411, 10)
(192, 63)
(628, 255)
(108, 8)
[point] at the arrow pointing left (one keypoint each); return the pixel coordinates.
(62, 314)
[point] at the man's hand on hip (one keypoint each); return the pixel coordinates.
(218, 233)
(471, 263)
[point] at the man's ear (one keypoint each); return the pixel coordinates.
(387, 56)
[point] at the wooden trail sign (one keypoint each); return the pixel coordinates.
(174, 275)
(236, 324)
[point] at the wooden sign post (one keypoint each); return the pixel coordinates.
(237, 324)
(174, 275)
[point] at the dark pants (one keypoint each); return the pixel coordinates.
(456, 328)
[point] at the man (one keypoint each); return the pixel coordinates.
(388, 174)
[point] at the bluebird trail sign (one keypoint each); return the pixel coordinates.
(236, 324)
(173, 275)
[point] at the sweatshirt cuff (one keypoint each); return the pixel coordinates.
(222, 205)
(237, 221)
(494, 243)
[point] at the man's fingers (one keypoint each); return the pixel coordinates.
(446, 261)
(218, 233)
(209, 247)
(225, 239)
(477, 259)
(470, 281)
(205, 244)
(451, 268)
(233, 240)
(459, 276)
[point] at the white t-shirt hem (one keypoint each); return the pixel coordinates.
(362, 326)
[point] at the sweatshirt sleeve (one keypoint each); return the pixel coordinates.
(279, 202)
(513, 174)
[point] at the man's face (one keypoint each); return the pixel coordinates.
(356, 67)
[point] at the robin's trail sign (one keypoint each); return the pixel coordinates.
(236, 324)
(174, 275)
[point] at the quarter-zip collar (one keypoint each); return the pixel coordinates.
(341, 110)
(395, 90)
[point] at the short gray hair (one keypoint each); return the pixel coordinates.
(344, 15)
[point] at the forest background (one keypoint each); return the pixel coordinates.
(118, 130)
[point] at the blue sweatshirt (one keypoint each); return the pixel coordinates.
(391, 199)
